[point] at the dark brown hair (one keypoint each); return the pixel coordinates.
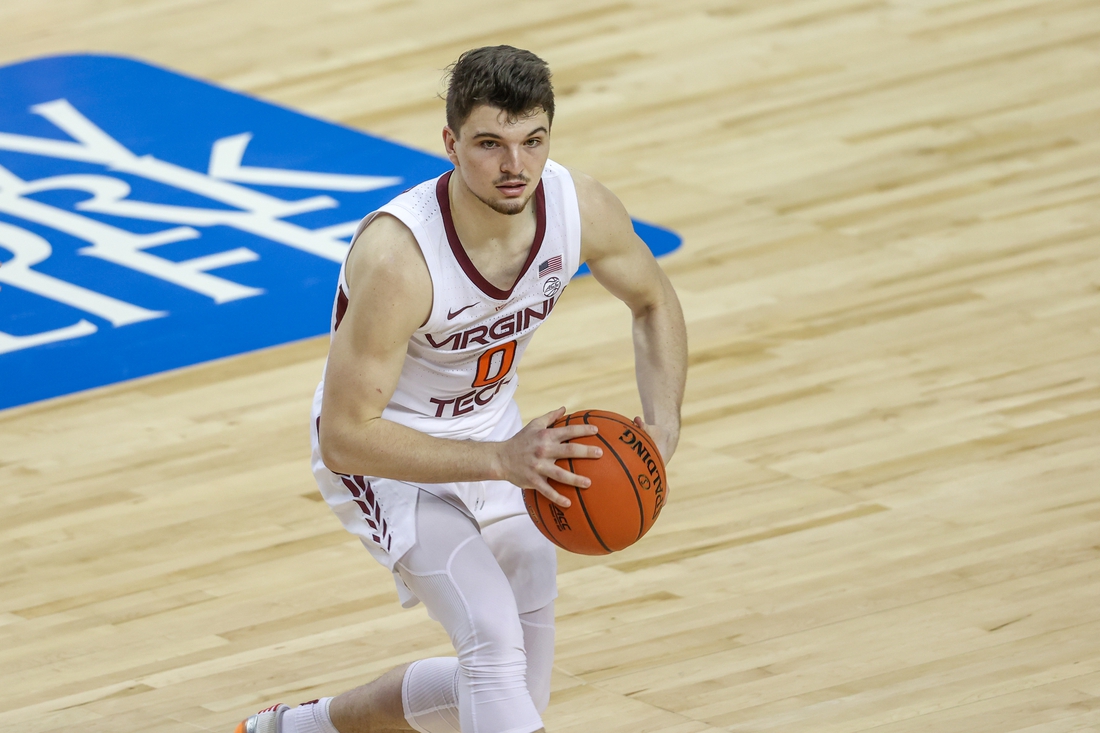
(512, 79)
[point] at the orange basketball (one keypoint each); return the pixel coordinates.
(627, 492)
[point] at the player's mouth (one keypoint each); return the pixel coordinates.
(512, 189)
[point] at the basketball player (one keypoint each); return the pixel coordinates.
(417, 443)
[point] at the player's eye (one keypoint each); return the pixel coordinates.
(533, 142)
(487, 144)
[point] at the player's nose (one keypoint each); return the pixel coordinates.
(512, 162)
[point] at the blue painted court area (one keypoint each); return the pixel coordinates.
(150, 221)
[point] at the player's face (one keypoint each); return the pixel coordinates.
(500, 160)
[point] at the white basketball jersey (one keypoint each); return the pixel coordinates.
(459, 373)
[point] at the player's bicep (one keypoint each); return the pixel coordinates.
(617, 257)
(389, 298)
(632, 275)
(364, 364)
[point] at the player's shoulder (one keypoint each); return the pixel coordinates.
(387, 251)
(591, 194)
(602, 213)
(419, 203)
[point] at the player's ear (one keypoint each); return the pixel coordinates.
(449, 140)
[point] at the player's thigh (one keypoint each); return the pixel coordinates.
(453, 571)
(440, 529)
(528, 560)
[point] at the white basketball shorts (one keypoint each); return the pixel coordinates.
(381, 512)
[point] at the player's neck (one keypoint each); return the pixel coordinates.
(480, 227)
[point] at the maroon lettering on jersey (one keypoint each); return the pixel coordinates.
(485, 396)
(530, 314)
(440, 405)
(454, 347)
(466, 403)
(475, 335)
(504, 327)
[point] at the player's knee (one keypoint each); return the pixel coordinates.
(540, 553)
(527, 558)
(494, 650)
(498, 641)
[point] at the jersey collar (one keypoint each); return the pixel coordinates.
(460, 252)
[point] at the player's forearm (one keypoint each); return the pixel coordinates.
(660, 362)
(378, 447)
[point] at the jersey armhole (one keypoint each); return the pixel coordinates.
(572, 212)
(407, 218)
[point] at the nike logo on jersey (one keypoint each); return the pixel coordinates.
(452, 314)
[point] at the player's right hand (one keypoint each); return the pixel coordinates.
(527, 459)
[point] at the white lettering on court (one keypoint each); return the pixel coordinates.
(30, 249)
(242, 208)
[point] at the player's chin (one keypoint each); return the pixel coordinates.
(509, 206)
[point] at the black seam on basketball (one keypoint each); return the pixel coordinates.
(614, 420)
(630, 478)
(654, 451)
(590, 525)
(620, 422)
(626, 471)
(569, 460)
(632, 426)
(581, 500)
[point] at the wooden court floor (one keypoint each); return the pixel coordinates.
(885, 509)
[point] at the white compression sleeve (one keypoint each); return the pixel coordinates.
(429, 692)
(429, 695)
(454, 572)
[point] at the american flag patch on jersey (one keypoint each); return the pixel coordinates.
(551, 265)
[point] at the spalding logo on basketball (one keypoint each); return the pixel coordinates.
(626, 496)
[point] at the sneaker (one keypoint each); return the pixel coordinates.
(265, 721)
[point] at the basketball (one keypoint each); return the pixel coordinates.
(626, 496)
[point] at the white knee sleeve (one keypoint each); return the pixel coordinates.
(429, 695)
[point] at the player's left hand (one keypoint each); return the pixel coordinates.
(664, 439)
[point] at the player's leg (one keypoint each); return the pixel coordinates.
(453, 571)
(449, 564)
(372, 708)
(538, 641)
(429, 687)
(426, 691)
(529, 561)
